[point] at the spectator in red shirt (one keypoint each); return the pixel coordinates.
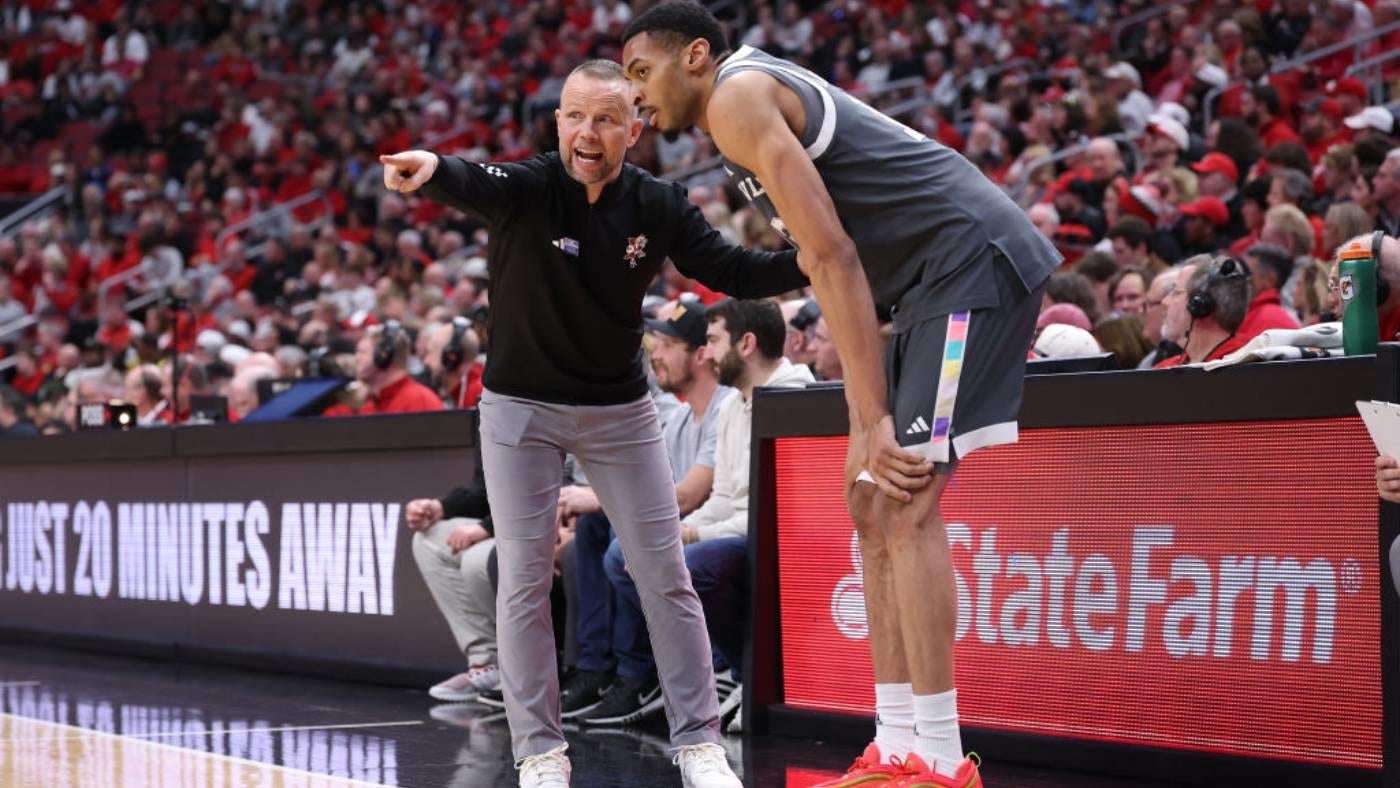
(1262, 107)
(382, 368)
(451, 355)
(117, 330)
(1270, 267)
(193, 380)
(1213, 304)
(1322, 128)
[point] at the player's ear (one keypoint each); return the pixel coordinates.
(696, 53)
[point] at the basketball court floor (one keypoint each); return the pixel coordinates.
(70, 719)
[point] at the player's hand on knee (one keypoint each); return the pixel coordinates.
(898, 472)
(423, 513)
(408, 171)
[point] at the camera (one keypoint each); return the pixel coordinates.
(106, 415)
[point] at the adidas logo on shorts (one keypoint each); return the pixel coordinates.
(917, 427)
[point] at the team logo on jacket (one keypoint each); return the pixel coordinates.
(636, 250)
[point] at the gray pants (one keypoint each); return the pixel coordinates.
(461, 587)
(523, 443)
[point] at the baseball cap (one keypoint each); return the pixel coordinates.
(1139, 201)
(1172, 110)
(1122, 70)
(1060, 340)
(1327, 106)
(1171, 130)
(1378, 118)
(1209, 208)
(1218, 163)
(1347, 86)
(1212, 75)
(687, 323)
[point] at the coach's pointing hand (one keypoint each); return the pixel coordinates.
(408, 171)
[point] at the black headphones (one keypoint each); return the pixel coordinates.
(384, 351)
(1202, 304)
(452, 355)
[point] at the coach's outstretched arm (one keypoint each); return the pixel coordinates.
(482, 189)
(749, 127)
(701, 253)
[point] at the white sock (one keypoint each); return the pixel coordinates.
(937, 738)
(894, 720)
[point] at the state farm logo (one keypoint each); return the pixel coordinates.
(1061, 600)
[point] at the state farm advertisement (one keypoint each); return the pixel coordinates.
(1208, 586)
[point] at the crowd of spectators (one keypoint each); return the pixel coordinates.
(218, 197)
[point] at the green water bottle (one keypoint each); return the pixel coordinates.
(1356, 278)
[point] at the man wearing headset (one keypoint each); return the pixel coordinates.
(381, 366)
(1213, 305)
(450, 356)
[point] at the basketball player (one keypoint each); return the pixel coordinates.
(879, 214)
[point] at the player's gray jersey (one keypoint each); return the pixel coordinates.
(922, 217)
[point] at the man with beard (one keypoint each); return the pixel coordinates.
(577, 237)
(882, 215)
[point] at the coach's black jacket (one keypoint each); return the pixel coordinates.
(567, 278)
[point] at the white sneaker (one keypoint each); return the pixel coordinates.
(550, 770)
(465, 687)
(705, 766)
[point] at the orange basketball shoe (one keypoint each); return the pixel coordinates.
(870, 769)
(921, 776)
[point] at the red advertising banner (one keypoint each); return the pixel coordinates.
(1209, 587)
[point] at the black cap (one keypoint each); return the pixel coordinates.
(807, 316)
(687, 323)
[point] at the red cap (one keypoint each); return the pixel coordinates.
(1139, 201)
(1068, 314)
(1331, 108)
(1218, 163)
(1347, 86)
(1209, 208)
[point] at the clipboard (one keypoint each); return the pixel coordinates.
(1383, 422)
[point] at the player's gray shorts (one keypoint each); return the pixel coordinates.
(955, 380)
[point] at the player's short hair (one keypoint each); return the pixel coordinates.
(677, 23)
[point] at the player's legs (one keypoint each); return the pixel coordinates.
(522, 458)
(886, 643)
(920, 567)
(957, 388)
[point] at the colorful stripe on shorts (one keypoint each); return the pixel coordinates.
(953, 346)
